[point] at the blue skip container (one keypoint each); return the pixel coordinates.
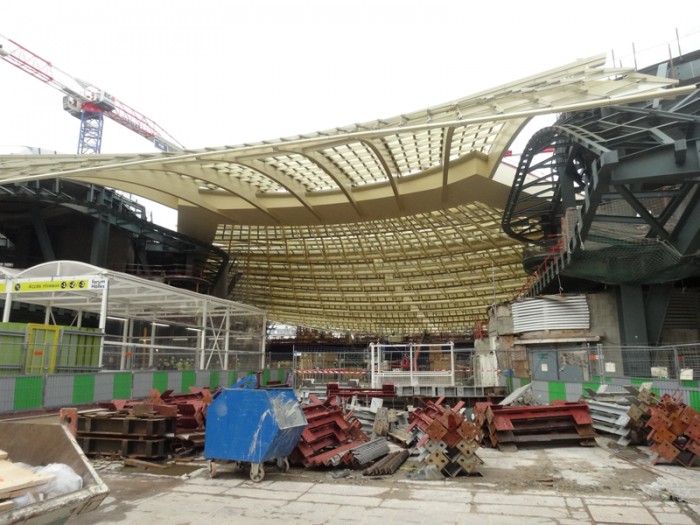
(249, 425)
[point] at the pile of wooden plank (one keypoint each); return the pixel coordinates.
(17, 480)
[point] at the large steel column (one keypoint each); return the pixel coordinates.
(633, 331)
(100, 243)
(42, 234)
(658, 299)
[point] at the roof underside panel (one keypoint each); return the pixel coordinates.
(435, 271)
(388, 226)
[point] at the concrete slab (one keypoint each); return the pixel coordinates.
(262, 493)
(673, 518)
(345, 499)
(522, 510)
(343, 490)
(520, 499)
(621, 514)
(527, 487)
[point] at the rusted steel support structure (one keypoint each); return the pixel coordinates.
(122, 436)
(334, 389)
(329, 435)
(508, 426)
(444, 438)
(672, 428)
(189, 408)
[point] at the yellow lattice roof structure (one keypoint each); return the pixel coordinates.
(389, 226)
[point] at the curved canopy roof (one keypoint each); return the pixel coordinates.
(69, 285)
(391, 226)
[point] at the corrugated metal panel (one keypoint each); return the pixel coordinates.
(567, 312)
(683, 310)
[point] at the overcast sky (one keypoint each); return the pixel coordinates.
(216, 73)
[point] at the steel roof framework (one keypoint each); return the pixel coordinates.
(391, 226)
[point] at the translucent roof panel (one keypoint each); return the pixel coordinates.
(391, 225)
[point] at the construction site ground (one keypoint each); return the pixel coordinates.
(533, 485)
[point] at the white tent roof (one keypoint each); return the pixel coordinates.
(80, 287)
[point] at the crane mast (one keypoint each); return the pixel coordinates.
(86, 102)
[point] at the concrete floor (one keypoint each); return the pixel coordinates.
(562, 486)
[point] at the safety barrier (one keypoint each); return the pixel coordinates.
(544, 392)
(26, 393)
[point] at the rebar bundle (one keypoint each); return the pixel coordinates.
(388, 464)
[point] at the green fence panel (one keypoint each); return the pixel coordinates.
(29, 393)
(557, 391)
(160, 381)
(189, 378)
(122, 385)
(83, 389)
(690, 384)
(213, 379)
(265, 377)
(282, 375)
(694, 399)
(232, 378)
(12, 341)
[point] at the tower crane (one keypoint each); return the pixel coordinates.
(86, 102)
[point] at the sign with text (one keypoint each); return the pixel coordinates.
(70, 284)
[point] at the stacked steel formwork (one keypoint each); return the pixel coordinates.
(189, 408)
(153, 428)
(672, 428)
(124, 436)
(506, 427)
(446, 439)
(328, 436)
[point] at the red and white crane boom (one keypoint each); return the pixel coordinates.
(81, 96)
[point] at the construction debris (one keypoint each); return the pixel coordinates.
(619, 395)
(152, 428)
(639, 413)
(611, 418)
(388, 465)
(328, 436)
(189, 408)
(444, 438)
(335, 390)
(45, 477)
(377, 420)
(506, 427)
(672, 428)
(365, 453)
(118, 435)
(519, 396)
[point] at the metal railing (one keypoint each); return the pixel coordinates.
(398, 364)
(600, 362)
